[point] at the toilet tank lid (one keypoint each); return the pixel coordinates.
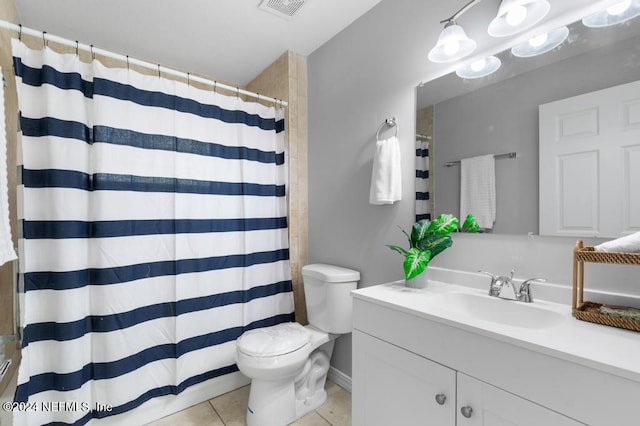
(330, 273)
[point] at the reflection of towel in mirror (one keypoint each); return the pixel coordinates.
(386, 176)
(478, 190)
(6, 245)
(626, 244)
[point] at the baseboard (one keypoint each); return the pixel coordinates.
(339, 378)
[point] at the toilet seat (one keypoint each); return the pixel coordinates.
(273, 341)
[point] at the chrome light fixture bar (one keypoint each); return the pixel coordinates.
(515, 16)
(613, 15)
(541, 43)
(453, 43)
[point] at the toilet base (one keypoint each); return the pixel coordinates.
(270, 403)
(305, 406)
(280, 402)
(309, 384)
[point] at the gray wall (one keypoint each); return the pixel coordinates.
(365, 74)
(503, 118)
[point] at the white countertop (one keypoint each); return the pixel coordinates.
(605, 348)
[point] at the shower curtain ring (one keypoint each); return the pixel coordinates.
(159, 71)
(215, 87)
(77, 48)
(44, 40)
(93, 55)
(20, 32)
(237, 92)
(128, 69)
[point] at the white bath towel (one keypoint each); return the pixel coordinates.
(626, 244)
(478, 190)
(7, 252)
(386, 176)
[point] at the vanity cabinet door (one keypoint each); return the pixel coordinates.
(392, 386)
(480, 404)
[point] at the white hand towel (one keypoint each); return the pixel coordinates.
(626, 244)
(478, 190)
(7, 252)
(386, 176)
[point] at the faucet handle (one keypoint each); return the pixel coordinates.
(493, 277)
(525, 295)
(494, 288)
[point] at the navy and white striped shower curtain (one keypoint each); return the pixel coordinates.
(154, 233)
(422, 180)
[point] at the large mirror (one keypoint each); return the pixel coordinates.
(498, 114)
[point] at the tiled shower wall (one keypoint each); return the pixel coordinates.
(286, 79)
(7, 294)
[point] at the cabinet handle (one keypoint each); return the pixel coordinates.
(466, 411)
(441, 398)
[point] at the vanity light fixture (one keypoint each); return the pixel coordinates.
(615, 14)
(541, 43)
(515, 16)
(453, 43)
(479, 68)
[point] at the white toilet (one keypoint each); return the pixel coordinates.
(288, 363)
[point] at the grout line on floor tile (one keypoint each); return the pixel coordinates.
(322, 417)
(216, 411)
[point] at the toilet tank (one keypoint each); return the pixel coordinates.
(327, 290)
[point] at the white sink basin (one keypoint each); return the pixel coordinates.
(496, 310)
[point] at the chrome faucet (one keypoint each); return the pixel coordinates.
(504, 288)
(525, 295)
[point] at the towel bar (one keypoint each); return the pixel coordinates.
(389, 122)
(497, 157)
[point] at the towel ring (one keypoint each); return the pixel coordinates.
(389, 122)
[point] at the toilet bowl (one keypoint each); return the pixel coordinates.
(288, 363)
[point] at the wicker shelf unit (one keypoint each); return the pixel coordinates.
(590, 311)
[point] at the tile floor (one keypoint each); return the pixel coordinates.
(230, 410)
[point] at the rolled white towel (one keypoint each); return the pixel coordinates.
(626, 244)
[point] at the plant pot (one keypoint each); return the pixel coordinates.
(419, 281)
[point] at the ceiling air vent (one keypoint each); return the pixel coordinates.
(283, 8)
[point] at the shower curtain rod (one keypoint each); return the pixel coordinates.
(94, 50)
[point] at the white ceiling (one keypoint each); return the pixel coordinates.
(234, 40)
(230, 40)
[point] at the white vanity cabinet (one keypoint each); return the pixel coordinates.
(407, 351)
(394, 386)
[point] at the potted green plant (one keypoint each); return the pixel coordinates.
(426, 241)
